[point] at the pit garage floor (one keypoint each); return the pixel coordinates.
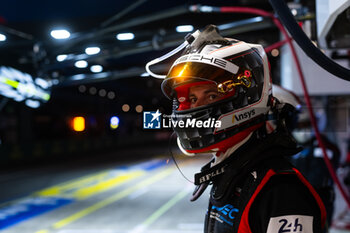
(147, 196)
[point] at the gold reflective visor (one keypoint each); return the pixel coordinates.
(242, 79)
(190, 72)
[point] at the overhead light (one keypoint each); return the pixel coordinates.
(60, 34)
(145, 74)
(81, 64)
(2, 37)
(92, 50)
(32, 103)
(61, 57)
(78, 77)
(96, 68)
(125, 36)
(42, 83)
(184, 28)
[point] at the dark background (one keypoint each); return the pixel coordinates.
(28, 134)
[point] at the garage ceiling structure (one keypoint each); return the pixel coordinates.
(30, 48)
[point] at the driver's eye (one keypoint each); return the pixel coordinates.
(193, 100)
(213, 96)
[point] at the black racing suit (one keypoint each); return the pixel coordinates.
(257, 190)
(311, 164)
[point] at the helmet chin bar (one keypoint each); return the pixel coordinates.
(214, 151)
(182, 149)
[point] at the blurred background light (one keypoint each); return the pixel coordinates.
(114, 122)
(102, 92)
(184, 28)
(60, 34)
(61, 57)
(96, 68)
(145, 74)
(125, 36)
(42, 83)
(2, 37)
(125, 107)
(32, 103)
(111, 95)
(78, 124)
(275, 52)
(82, 88)
(92, 90)
(139, 108)
(92, 50)
(81, 64)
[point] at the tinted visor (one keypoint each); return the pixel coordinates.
(191, 72)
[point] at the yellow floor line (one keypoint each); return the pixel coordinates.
(43, 231)
(87, 192)
(116, 197)
(82, 186)
(98, 186)
(58, 189)
(111, 199)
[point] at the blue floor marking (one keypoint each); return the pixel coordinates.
(156, 164)
(34, 206)
(29, 208)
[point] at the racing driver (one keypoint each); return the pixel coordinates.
(254, 188)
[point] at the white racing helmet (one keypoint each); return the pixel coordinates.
(289, 106)
(239, 74)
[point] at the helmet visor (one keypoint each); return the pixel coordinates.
(211, 80)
